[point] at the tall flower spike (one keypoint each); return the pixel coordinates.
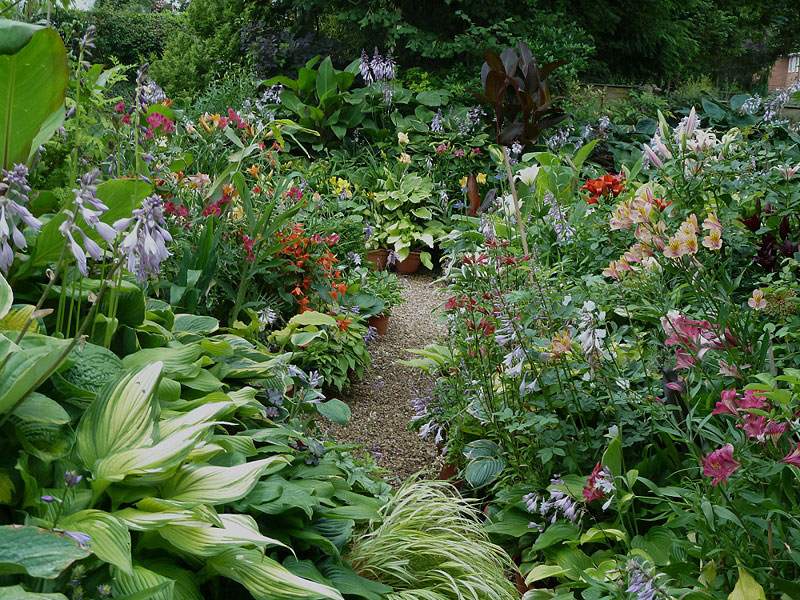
(12, 212)
(145, 245)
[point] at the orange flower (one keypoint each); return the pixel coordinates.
(344, 324)
(253, 170)
(607, 185)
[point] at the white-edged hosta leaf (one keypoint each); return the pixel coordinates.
(185, 586)
(17, 317)
(143, 520)
(178, 362)
(201, 414)
(111, 540)
(123, 416)
(158, 586)
(201, 539)
(153, 460)
(194, 484)
(6, 296)
(266, 579)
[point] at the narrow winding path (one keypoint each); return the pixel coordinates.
(381, 403)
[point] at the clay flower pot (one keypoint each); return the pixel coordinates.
(380, 322)
(378, 258)
(410, 265)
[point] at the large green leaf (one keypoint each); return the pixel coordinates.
(265, 579)
(185, 587)
(155, 586)
(195, 485)
(199, 539)
(33, 83)
(17, 592)
(42, 426)
(335, 410)
(123, 416)
(37, 552)
(111, 541)
(36, 355)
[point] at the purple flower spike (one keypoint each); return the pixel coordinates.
(146, 244)
(14, 190)
(71, 478)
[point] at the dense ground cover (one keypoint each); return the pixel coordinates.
(185, 289)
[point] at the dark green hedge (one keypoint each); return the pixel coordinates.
(131, 37)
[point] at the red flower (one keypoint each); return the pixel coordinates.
(120, 107)
(607, 185)
(247, 244)
(720, 464)
(126, 119)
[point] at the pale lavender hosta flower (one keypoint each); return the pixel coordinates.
(644, 583)
(364, 68)
(14, 190)
(371, 335)
(145, 245)
(437, 123)
(559, 504)
(83, 539)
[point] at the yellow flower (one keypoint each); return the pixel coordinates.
(481, 178)
(463, 182)
(404, 158)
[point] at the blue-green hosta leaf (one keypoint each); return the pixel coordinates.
(335, 410)
(203, 381)
(123, 416)
(195, 324)
(194, 484)
(17, 592)
(37, 552)
(111, 540)
(153, 462)
(37, 354)
(42, 426)
(6, 296)
(483, 470)
(201, 539)
(265, 579)
(158, 587)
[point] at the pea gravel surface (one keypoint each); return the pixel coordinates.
(381, 402)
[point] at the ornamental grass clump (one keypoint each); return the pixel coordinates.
(432, 546)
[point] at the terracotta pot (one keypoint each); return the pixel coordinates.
(410, 265)
(378, 258)
(379, 322)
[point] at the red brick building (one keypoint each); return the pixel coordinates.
(785, 72)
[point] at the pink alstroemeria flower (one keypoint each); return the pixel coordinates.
(720, 464)
(793, 458)
(757, 302)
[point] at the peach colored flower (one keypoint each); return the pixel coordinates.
(713, 241)
(757, 302)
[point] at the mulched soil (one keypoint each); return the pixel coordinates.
(381, 402)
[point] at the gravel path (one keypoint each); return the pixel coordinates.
(381, 403)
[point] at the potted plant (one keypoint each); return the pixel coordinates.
(376, 294)
(409, 240)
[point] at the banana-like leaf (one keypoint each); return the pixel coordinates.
(158, 587)
(200, 539)
(266, 579)
(37, 552)
(111, 540)
(33, 83)
(195, 485)
(36, 355)
(123, 416)
(6, 296)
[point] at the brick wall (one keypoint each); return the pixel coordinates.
(780, 77)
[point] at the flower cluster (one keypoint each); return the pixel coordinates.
(377, 68)
(599, 485)
(156, 120)
(145, 245)
(14, 190)
(693, 338)
(603, 187)
(559, 504)
(644, 582)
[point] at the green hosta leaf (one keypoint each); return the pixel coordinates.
(153, 585)
(217, 485)
(747, 588)
(203, 381)
(42, 426)
(195, 324)
(18, 317)
(6, 296)
(557, 532)
(143, 520)
(122, 416)
(205, 413)
(36, 355)
(37, 552)
(16, 592)
(198, 538)
(483, 470)
(111, 541)
(540, 572)
(422, 212)
(265, 579)
(335, 410)
(312, 317)
(178, 362)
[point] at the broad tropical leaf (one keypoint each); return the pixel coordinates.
(33, 83)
